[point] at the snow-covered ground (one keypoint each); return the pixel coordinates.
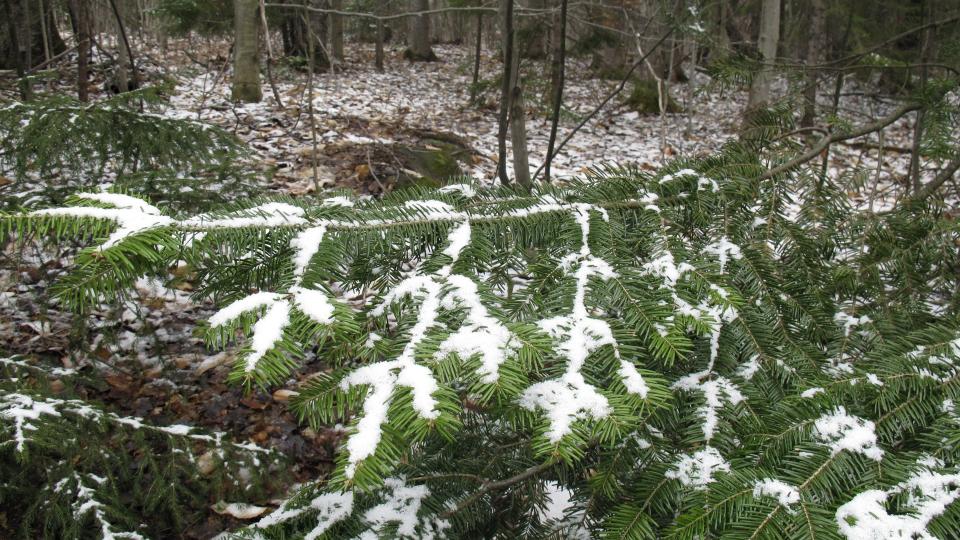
(356, 105)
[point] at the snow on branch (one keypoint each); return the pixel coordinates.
(481, 334)
(87, 503)
(570, 397)
(28, 413)
(927, 494)
(133, 215)
(397, 509)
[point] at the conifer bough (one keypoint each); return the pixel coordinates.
(685, 355)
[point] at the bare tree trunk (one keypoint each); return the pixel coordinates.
(816, 43)
(126, 57)
(721, 48)
(81, 21)
(336, 31)
(379, 58)
(246, 59)
(419, 39)
(43, 32)
(478, 49)
(506, 17)
(19, 47)
(518, 124)
(559, 67)
(767, 43)
(298, 27)
(29, 19)
(918, 125)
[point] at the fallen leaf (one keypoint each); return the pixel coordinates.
(253, 404)
(284, 394)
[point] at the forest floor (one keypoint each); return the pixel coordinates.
(364, 119)
(369, 130)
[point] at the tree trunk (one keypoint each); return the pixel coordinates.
(125, 75)
(246, 58)
(816, 44)
(767, 43)
(721, 47)
(18, 43)
(557, 81)
(518, 124)
(80, 17)
(379, 54)
(336, 31)
(925, 55)
(298, 28)
(31, 21)
(419, 48)
(477, 51)
(506, 20)
(532, 33)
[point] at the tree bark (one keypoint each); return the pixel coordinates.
(419, 48)
(506, 18)
(126, 81)
(379, 54)
(559, 66)
(246, 59)
(478, 49)
(81, 22)
(914, 178)
(17, 43)
(518, 124)
(30, 21)
(721, 48)
(298, 27)
(336, 32)
(767, 43)
(816, 43)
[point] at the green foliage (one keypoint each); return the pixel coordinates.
(74, 470)
(71, 145)
(690, 354)
(205, 17)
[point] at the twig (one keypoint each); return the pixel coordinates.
(46, 63)
(266, 38)
(126, 45)
(944, 175)
(606, 100)
(383, 189)
(487, 487)
(826, 141)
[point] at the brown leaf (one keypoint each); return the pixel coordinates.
(284, 394)
(253, 404)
